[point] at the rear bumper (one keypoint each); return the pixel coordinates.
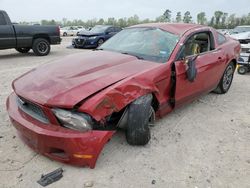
(55, 142)
(55, 40)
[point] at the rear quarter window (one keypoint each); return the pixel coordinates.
(2, 19)
(221, 38)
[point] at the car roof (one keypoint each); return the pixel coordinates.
(175, 28)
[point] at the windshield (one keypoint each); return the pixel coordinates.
(151, 44)
(241, 30)
(99, 29)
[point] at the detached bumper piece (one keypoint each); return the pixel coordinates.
(51, 177)
(56, 142)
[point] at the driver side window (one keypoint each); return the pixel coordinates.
(197, 44)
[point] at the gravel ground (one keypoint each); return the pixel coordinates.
(203, 144)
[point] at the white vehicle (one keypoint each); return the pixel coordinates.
(71, 31)
(244, 60)
(242, 33)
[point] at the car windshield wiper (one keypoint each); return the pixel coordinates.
(138, 57)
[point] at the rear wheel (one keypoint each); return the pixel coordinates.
(41, 47)
(65, 34)
(226, 80)
(242, 70)
(100, 42)
(23, 50)
(139, 116)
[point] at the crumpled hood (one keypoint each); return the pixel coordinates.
(241, 36)
(68, 81)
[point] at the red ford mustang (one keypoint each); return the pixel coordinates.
(69, 109)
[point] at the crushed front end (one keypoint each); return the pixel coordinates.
(40, 129)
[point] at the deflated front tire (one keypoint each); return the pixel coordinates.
(137, 132)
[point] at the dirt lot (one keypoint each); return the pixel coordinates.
(204, 144)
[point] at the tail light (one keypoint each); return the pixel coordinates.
(58, 30)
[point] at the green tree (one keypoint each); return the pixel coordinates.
(167, 15)
(201, 18)
(111, 21)
(231, 21)
(217, 14)
(178, 18)
(100, 21)
(187, 17)
(122, 22)
(160, 19)
(224, 20)
(133, 20)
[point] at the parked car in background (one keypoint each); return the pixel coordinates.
(69, 109)
(26, 37)
(244, 60)
(95, 37)
(71, 31)
(242, 34)
(225, 31)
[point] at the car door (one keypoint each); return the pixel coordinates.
(199, 45)
(7, 33)
(110, 32)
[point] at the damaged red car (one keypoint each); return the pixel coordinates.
(69, 109)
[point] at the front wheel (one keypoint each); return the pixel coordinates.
(100, 42)
(226, 80)
(41, 47)
(242, 70)
(139, 116)
(23, 50)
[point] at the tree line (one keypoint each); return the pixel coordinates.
(220, 20)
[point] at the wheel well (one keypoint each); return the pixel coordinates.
(112, 120)
(235, 62)
(43, 36)
(155, 103)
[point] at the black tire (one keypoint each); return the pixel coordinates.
(41, 47)
(65, 34)
(137, 132)
(23, 50)
(226, 80)
(100, 42)
(242, 70)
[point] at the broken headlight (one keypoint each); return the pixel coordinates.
(73, 120)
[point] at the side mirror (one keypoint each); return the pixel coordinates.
(191, 68)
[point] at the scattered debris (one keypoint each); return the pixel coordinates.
(1, 136)
(153, 182)
(13, 137)
(51, 177)
(20, 175)
(248, 161)
(89, 184)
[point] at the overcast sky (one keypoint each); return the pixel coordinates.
(36, 10)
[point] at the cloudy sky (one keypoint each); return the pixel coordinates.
(35, 10)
